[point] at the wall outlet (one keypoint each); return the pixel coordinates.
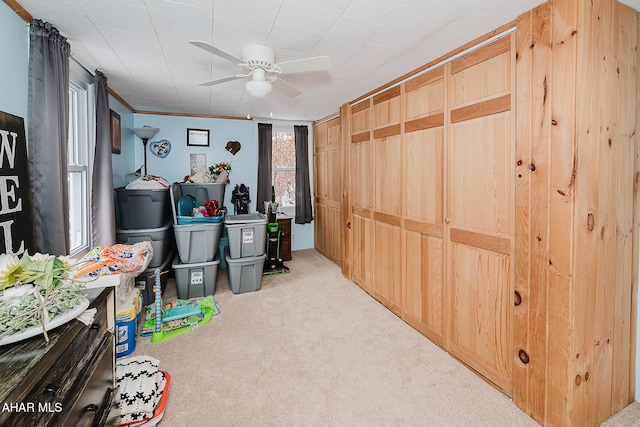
(293, 237)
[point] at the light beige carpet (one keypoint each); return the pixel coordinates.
(312, 349)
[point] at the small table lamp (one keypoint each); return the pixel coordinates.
(145, 133)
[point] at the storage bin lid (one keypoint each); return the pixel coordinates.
(239, 262)
(143, 230)
(177, 264)
(253, 218)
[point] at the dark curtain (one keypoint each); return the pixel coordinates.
(264, 165)
(304, 212)
(103, 227)
(48, 115)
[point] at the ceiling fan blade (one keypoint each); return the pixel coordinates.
(316, 63)
(221, 53)
(285, 87)
(224, 79)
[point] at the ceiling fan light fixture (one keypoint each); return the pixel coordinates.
(257, 88)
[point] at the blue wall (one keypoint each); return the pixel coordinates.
(125, 162)
(177, 164)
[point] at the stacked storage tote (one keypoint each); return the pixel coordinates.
(144, 215)
(197, 238)
(246, 252)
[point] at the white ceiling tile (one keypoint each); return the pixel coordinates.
(317, 16)
(255, 14)
(288, 47)
(351, 32)
(381, 12)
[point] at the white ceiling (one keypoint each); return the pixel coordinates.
(142, 46)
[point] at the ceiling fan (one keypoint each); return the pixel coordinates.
(260, 62)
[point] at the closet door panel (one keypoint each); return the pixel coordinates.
(425, 175)
(423, 303)
(478, 78)
(388, 265)
(481, 175)
(362, 174)
(387, 177)
(481, 300)
(361, 227)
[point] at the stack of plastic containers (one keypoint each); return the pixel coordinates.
(144, 215)
(197, 238)
(245, 254)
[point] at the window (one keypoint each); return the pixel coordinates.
(81, 124)
(283, 167)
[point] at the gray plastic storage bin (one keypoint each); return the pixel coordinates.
(245, 274)
(146, 280)
(160, 239)
(195, 280)
(204, 192)
(197, 242)
(142, 209)
(247, 235)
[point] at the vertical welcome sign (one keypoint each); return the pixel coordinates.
(16, 217)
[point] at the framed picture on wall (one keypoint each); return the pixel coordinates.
(116, 141)
(198, 137)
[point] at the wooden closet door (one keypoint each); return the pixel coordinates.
(361, 194)
(480, 211)
(423, 299)
(328, 189)
(388, 190)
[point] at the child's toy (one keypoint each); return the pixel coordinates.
(180, 312)
(181, 318)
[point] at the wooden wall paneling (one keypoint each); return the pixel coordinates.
(636, 228)
(589, 213)
(602, 218)
(522, 286)
(573, 184)
(532, 211)
(625, 61)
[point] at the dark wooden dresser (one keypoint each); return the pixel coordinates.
(285, 239)
(69, 381)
